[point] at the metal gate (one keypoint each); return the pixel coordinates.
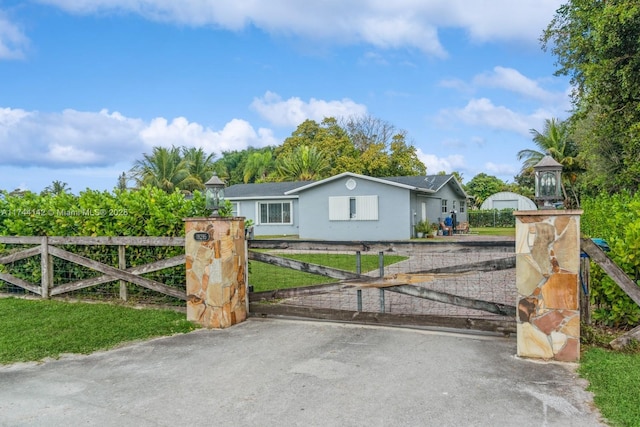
(467, 284)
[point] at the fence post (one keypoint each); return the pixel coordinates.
(547, 281)
(122, 265)
(46, 268)
(358, 262)
(381, 267)
(585, 295)
(216, 268)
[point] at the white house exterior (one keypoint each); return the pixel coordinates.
(349, 206)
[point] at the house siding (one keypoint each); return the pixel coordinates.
(394, 214)
(249, 210)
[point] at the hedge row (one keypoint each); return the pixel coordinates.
(616, 219)
(492, 218)
(145, 212)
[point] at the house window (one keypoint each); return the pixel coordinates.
(462, 206)
(453, 205)
(359, 208)
(275, 213)
(444, 207)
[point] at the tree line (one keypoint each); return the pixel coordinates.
(314, 151)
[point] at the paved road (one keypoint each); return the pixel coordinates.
(272, 372)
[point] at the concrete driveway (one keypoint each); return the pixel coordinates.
(272, 372)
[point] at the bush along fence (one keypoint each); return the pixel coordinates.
(142, 268)
(492, 218)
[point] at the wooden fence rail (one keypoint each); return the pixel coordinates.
(47, 249)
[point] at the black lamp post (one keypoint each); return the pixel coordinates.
(214, 194)
(548, 175)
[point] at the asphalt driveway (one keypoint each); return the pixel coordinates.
(272, 372)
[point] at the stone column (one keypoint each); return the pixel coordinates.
(216, 265)
(547, 278)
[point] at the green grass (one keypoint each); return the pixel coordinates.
(32, 330)
(614, 379)
(494, 231)
(265, 277)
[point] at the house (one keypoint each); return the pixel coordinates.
(349, 206)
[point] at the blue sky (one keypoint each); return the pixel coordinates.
(88, 86)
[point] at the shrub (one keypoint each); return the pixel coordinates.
(616, 219)
(492, 218)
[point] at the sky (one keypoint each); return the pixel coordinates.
(87, 87)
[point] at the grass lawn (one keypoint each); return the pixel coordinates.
(494, 231)
(614, 379)
(32, 330)
(265, 277)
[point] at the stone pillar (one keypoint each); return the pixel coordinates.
(216, 271)
(547, 278)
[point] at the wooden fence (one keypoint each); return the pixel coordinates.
(47, 247)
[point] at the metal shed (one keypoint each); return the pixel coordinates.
(508, 200)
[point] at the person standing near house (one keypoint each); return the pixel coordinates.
(454, 221)
(448, 226)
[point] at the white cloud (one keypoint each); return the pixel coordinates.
(512, 80)
(98, 139)
(236, 135)
(436, 164)
(398, 24)
(482, 112)
(501, 169)
(12, 39)
(294, 111)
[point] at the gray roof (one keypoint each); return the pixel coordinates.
(431, 183)
(267, 189)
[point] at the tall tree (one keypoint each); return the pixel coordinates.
(122, 182)
(482, 186)
(555, 140)
(258, 166)
(164, 168)
(200, 166)
(596, 44)
(327, 137)
(364, 145)
(56, 188)
(303, 164)
(403, 158)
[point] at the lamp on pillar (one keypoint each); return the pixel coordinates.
(214, 194)
(548, 175)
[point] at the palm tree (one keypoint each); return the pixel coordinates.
(258, 166)
(200, 165)
(56, 188)
(303, 164)
(164, 168)
(555, 140)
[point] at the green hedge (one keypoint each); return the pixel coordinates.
(616, 219)
(492, 218)
(144, 212)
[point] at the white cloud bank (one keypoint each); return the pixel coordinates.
(398, 24)
(435, 164)
(293, 111)
(74, 138)
(80, 139)
(481, 112)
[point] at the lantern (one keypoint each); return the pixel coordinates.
(214, 194)
(548, 175)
